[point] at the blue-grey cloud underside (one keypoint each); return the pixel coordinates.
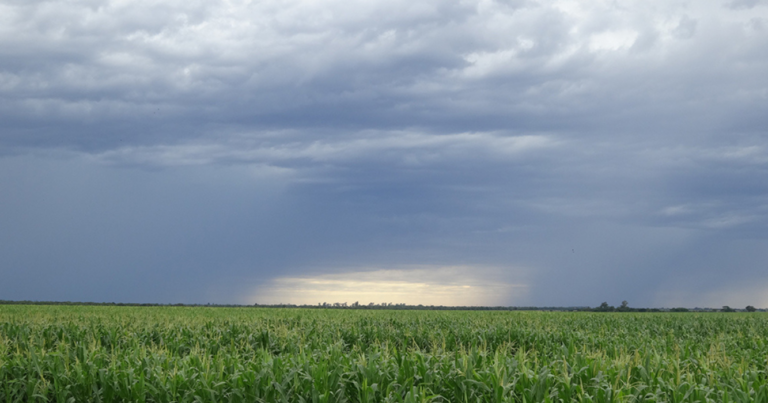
(574, 151)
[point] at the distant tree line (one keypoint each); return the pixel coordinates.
(604, 307)
(321, 305)
(624, 307)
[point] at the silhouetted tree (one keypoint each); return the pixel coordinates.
(604, 307)
(751, 308)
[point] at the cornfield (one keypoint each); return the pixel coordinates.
(182, 354)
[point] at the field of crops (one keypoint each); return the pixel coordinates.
(170, 354)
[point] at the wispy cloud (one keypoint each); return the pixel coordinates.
(400, 147)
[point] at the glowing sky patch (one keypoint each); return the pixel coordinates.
(466, 286)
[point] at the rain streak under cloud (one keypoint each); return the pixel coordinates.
(456, 153)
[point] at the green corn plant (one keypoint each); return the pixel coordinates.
(171, 354)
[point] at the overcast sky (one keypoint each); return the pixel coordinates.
(550, 153)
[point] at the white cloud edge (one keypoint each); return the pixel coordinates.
(409, 148)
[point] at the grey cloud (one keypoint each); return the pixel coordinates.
(195, 146)
(468, 67)
(686, 29)
(744, 4)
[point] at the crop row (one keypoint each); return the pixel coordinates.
(118, 354)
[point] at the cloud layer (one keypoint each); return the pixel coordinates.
(166, 151)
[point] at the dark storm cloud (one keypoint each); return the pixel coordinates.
(198, 150)
(474, 66)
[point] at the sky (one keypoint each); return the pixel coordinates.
(514, 153)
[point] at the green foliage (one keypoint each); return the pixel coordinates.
(604, 307)
(175, 354)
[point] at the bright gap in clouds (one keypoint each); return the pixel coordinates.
(456, 286)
